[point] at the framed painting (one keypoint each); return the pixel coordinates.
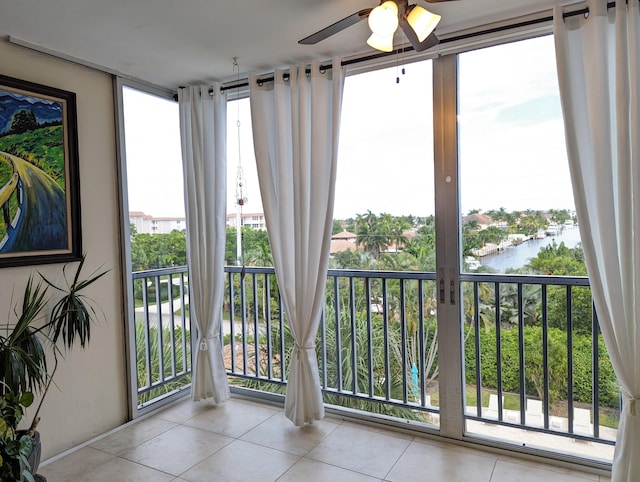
(39, 185)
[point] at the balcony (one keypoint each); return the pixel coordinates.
(243, 440)
(537, 374)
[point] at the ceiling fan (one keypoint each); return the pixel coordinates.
(416, 22)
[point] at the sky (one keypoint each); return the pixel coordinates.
(511, 142)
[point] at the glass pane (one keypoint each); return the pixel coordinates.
(154, 180)
(384, 192)
(379, 336)
(158, 240)
(518, 217)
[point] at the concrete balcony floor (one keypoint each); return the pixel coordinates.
(243, 440)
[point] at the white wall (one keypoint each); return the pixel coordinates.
(91, 397)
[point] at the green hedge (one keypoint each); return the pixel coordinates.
(609, 394)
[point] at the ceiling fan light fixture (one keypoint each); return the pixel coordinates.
(383, 20)
(422, 21)
(381, 42)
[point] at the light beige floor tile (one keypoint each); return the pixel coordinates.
(120, 469)
(312, 471)
(183, 411)
(178, 449)
(511, 472)
(133, 435)
(426, 462)
(232, 419)
(280, 433)
(75, 465)
(243, 462)
(363, 451)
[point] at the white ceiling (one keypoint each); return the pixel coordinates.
(171, 42)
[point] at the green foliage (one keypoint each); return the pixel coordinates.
(6, 171)
(151, 291)
(22, 356)
(153, 251)
(14, 447)
(559, 215)
(609, 394)
(170, 341)
(72, 315)
(23, 121)
(376, 233)
(559, 260)
(531, 222)
(557, 361)
(256, 250)
(351, 259)
(43, 147)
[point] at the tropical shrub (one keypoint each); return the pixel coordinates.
(609, 394)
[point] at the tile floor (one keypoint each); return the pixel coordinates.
(247, 441)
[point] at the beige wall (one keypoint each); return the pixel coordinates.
(91, 397)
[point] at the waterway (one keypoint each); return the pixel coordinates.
(518, 256)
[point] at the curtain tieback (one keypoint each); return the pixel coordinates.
(631, 403)
(300, 348)
(204, 346)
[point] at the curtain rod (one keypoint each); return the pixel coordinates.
(456, 38)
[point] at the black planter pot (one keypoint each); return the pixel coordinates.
(34, 456)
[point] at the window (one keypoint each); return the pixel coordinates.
(518, 217)
(384, 187)
(515, 189)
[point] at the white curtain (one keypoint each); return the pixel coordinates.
(600, 90)
(203, 132)
(296, 120)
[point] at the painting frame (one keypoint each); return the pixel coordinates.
(40, 219)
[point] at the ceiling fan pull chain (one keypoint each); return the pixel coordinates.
(403, 56)
(398, 66)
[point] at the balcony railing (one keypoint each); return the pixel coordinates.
(162, 332)
(563, 382)
(524, 345)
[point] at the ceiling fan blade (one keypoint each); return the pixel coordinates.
(438, 1)
(418, 46)
(336, 27)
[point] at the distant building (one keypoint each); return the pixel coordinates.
(408, 234)
(482, 220)
(145, 223)
(343, 241)
(346, 235)
(249, 220)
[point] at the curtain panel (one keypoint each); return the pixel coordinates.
(598, 65)
(296, 121)
(203, 133)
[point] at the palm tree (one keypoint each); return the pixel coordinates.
(260, 254)
(369, 234)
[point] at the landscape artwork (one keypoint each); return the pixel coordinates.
(40, 217)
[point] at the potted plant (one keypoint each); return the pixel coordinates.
(23, 364)
(15, 447)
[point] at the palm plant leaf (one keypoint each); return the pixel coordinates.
(72, 314)
(23, 363)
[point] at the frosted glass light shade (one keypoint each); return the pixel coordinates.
(381, 42)
(383, 20)
(422, 21)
